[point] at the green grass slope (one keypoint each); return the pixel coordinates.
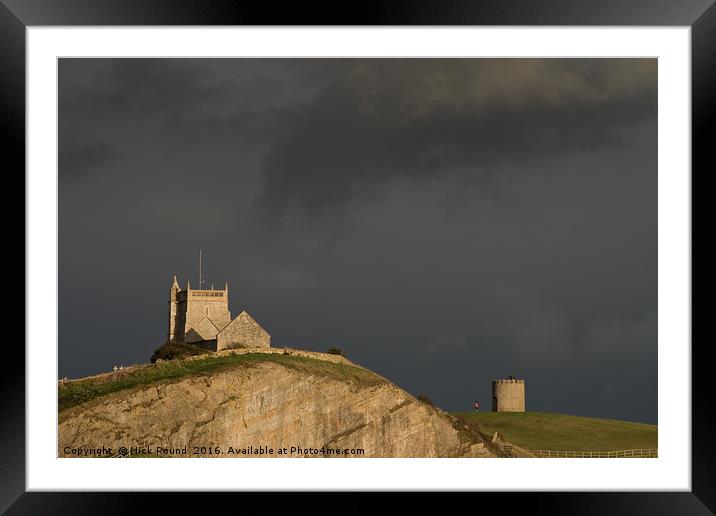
(77, 392)
(546, 431)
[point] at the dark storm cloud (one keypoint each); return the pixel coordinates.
(443, 222)
(413, 120)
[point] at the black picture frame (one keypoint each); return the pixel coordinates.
(17, 15)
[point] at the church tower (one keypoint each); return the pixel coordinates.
(201, 317)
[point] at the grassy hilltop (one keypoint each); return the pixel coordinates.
(546, 431)
(80, 391)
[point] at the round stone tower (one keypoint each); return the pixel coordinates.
(508, 395)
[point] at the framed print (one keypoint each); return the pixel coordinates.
(450, 246)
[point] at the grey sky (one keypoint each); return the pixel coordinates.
(444, 222)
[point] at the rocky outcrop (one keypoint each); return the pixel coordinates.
(241, 411)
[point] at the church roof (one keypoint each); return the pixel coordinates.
(205, 329)
(244, 317)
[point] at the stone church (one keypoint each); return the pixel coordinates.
(202, 318)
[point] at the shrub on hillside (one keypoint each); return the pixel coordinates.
(171, 351)
(335, 351)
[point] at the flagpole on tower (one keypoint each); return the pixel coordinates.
(200, 269)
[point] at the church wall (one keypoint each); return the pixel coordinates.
(206, 344)
(177, 315)
(180, 318)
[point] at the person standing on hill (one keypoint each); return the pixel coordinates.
(477, 406)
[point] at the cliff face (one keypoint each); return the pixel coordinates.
(267, 405)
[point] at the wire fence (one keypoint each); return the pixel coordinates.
(638, 453)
